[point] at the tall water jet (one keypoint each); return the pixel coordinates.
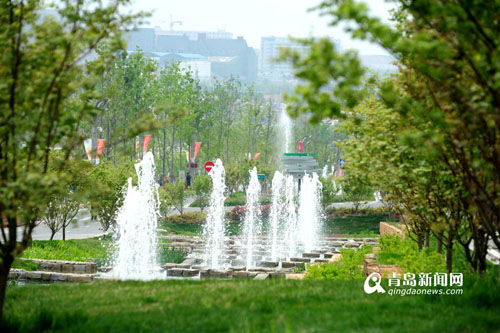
(286, 126)
(214, 229)
(137, 221)
(276, 212)
(252, 225)
(291, 217)
(309, 211)
(324, 173)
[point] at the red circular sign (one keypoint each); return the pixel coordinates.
(209, 165)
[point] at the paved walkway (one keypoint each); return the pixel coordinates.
(86, 228)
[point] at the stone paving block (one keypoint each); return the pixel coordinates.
(34, 275)
(262, 276)
(311, 255)
(67, 268)
(79, 278)
(300, 259)
(190, 272)
(175, 272)
(240, 274)
(268, 264)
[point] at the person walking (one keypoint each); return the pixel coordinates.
(188, 180)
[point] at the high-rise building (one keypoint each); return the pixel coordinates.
(226, 56)
(269, 67)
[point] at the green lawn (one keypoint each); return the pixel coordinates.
(246, 306)
(354, 226)
(74, 250)
(359, 225)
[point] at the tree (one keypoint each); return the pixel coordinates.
(203, 187)
(60, 212)
(448, 92)
(177, 195)
(44, 98)
(110, 183)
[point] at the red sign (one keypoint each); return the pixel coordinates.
(145, 143)
(197, 146)
(209, 165)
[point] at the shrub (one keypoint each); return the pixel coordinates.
(203, 186)
(177, 194)
(167, 254)
(237, 213)
(346, 268)
(405, 254)
(187, 218)
(332, 212)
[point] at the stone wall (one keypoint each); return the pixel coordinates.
(387, 228)
(60, 266)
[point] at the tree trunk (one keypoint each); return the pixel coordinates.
(449, 254)
(64, 233)
(5, 265)
(439, 244)
(52, 234)
(427, 238)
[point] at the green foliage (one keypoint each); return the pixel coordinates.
(72, 250)
(354, 225)
(436, 159)
(203, 187)
(177, 195)
(246, 305)
(168, 254)
(110, 181)
(405, 254)
(346, 268)
(187, 218)
(27, 265)
(191, 229)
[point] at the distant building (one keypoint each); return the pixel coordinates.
(269, 68)
(225, 55)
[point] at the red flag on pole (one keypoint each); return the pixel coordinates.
(197, 146)
(145, 143)
(255, 157)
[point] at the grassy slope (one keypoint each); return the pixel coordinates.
(74, 250)
(256, 306)
(354, 225)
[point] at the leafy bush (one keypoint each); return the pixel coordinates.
(74, 250)
(346, 268)
(177, 194)
(187, 218)
(202, 186)
(405, 254)
(110, 183)
(332, 212)
(167, 254)
(237, 214)
(27, 265)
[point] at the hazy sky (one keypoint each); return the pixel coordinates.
(255, 18)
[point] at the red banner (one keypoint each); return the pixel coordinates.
(197, 146)
(100, 146)
(145, 143)
(255, 157)
(300, 146)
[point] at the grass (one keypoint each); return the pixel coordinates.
(245, 306)
(355, 225)
(73, 250)
(364, 226)
(27, 265)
